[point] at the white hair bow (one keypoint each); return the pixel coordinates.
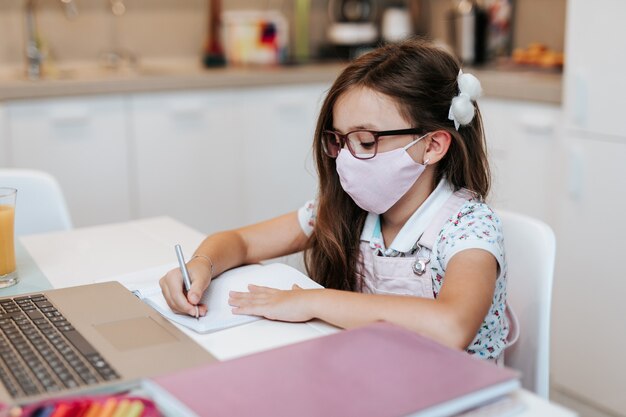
(462, 110)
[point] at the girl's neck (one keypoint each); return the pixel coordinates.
(392, 221)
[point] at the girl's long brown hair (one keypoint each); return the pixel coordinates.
(421, 78)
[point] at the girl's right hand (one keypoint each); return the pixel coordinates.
(173, 289)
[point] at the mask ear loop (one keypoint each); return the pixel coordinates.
(425, 163)
(415, 141)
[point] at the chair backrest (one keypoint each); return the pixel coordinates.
(40, 206)
(530, 252)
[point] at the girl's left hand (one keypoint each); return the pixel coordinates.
(285, 305)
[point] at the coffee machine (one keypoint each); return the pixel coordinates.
(353, 27)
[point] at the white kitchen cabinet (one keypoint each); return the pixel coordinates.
(188, 155)
(279, 169)
(522, 143)
(83, 142)
(588, 339)
(219, 159)
(588, 335)
(214, 159)
(594, 82)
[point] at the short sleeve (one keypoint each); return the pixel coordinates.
(476, 226)
(306, 216)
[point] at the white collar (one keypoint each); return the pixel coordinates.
(414, 226)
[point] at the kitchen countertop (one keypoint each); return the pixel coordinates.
(85, 79)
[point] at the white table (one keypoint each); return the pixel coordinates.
(113, 251)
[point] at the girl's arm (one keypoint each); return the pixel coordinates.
(225, 250)
(452, 319)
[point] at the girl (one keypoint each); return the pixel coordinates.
(399, 230)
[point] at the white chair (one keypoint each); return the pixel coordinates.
(40, 206)
(530, 251)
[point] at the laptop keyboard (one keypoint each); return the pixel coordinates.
(42, 352)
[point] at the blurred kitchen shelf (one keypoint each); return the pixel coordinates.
(520, 83)
(85, 79)
(77, 79)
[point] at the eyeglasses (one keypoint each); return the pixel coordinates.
(362, 144)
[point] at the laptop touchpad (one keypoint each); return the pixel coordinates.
(135, 333)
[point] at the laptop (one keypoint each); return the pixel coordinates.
(85, 339)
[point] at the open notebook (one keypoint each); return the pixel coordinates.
(145, 286)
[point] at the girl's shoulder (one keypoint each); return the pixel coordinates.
(474, 211)
(475, 225)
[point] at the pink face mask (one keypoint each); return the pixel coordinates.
(377, 184)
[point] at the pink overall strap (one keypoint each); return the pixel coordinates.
(449, 209)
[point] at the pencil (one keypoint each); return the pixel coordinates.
(93, 410)
(122, 408)
(136, 409)
(107, 408)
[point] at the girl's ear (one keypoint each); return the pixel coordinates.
(438, 145)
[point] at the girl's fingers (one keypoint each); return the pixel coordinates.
(243, 310)
(252, 310)
(202, 310)
(246, 298)
(248, 303)
(254, 290)
(198, 287)
(255, 302)
(261, 289)
(177, 301)
(240, 310)
(172, 289)
(200, 281)
(252, 294)
(239, 295)
(166, 295)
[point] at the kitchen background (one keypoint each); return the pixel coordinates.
(127, 118)
(153, 29)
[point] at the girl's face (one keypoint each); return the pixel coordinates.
(364, 108)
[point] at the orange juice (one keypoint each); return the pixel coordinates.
(7, 249)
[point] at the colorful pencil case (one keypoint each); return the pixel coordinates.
(121, 405)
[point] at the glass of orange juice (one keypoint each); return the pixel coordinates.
(8, 268)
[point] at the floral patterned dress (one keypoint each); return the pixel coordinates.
(475, 226)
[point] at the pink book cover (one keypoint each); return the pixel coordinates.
(379, 370)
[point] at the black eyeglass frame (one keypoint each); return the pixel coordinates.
(377, 134)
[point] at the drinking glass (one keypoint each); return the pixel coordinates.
(8, 268)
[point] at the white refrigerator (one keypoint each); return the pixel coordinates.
(589, 305)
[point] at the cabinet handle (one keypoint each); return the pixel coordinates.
(69, 116)
(576, 172)
(187, 109)
(290, 113)
(537, 124)
(577, 105)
